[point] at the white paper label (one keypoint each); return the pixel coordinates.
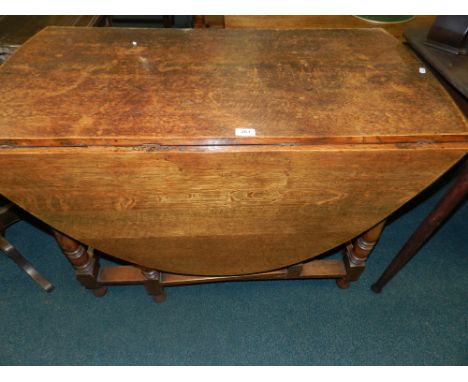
(240, 132)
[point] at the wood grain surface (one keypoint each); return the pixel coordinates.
(219, 210)
(93, 86)
(186, 195)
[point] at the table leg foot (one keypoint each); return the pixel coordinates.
(342, 283)
(356, 254)
(376, 288)
(99, 292)
(86, 267)
(160, 298)
(153, 285)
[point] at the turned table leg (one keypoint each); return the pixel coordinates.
(454, 196)
(153, 285)
(86, 266)
(356, 254)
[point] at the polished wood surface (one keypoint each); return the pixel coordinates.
(92, 86)
(205, 210)
(348, 130)
(335, 21)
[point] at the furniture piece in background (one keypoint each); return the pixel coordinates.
(15, 30)
(208, 21)
(249, 165)
(451, 69)
(306, 22)
(148, 21)
(449, 33)
(443, 47)
(9, 215)
(6, 51)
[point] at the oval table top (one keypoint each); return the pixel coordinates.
(127, 141)
(112, 86)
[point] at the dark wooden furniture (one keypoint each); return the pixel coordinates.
(8, 216)
(451, 69)
(449, 33)
(150, 21)
(315, 21)
(15, 30)
(239, 154)
(307, 22)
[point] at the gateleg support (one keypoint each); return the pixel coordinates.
(86, 266)
(356, 254)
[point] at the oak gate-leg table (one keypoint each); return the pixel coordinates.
(235, 155)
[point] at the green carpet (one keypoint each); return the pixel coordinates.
(421, 317)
